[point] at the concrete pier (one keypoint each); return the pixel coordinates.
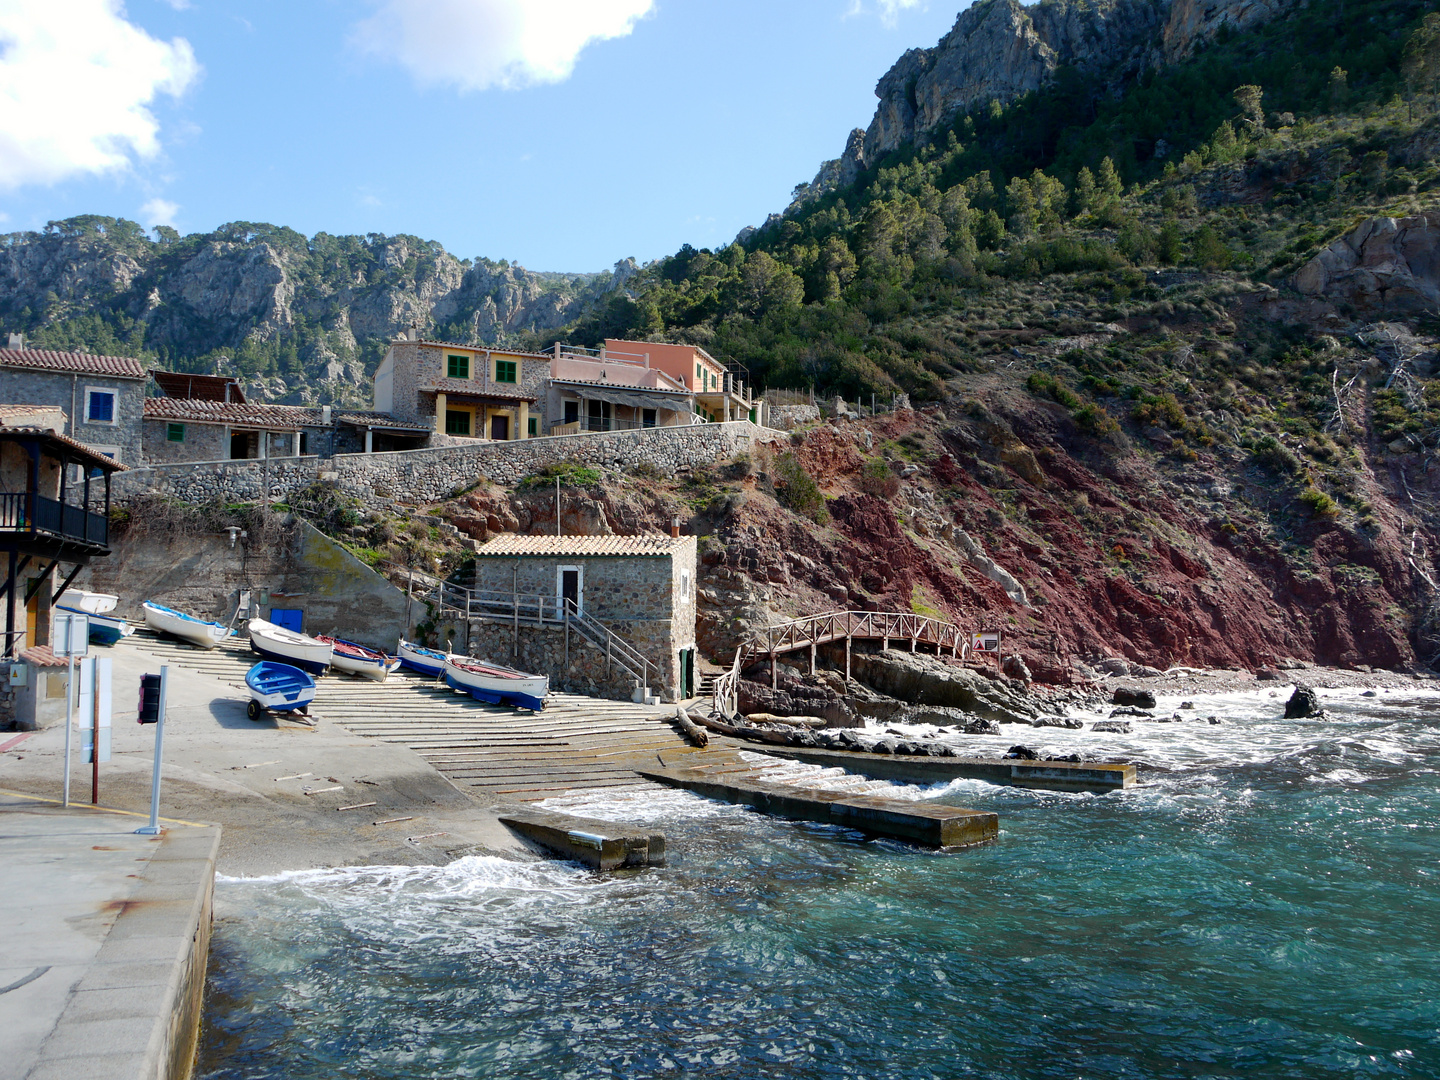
(904, 769)
(603, 845)
(945, 827)
(103, 967)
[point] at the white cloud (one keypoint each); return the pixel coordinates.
(159, 212)
(477, 44)
(888, 10)
(76, 80)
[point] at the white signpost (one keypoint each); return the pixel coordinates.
(72, 639)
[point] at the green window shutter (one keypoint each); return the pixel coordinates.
(457, 367)
(457, 423)
(505, 371)
(175, 432)
(534, 426)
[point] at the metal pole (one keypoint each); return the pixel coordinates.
(69, 708)
(153, 829)
(95, 732)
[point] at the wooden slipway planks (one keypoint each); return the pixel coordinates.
(577, 742)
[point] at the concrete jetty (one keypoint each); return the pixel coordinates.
(1050, 775)
(945, 827)
(107, 934)
(603, 845)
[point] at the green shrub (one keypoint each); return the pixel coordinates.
(1095, 421)
(1051, 387)
(796, 489)
(878, 479)
(1320, 504)
(569, 473)
(1271, 453)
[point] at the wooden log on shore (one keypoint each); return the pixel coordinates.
(741, 731)
(693, 731)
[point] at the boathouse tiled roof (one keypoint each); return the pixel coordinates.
(198, 411)
(116, 367)
(512, 544)
(25, 432)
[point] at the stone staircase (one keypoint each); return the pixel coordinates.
(577, 742)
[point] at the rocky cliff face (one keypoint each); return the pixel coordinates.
(329, 303)
(1000, 50)
(1381, 266)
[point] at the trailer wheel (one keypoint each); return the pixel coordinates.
(253, 710)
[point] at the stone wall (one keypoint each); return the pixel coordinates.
(431, 474)
(61, 390)
(542, 651)
(201, 442)
(300, 566)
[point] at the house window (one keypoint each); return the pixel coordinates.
(174, 432)
(647, 417)
(699, 372)
(100, 406)
(457, 367)
(505, 371)
(572, 412)
(684, 586)
(534, 426)
(457, 423)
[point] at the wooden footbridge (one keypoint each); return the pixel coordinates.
(828, 627)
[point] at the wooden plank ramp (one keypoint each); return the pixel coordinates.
(577, 742)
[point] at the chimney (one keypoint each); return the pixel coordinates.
(17, 341)
(324, 415)
(674, 528)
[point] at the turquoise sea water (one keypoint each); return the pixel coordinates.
(1264, 905)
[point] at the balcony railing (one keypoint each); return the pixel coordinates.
(596, 423)
(26, 512)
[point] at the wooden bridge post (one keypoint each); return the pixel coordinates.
(774, 671)
(912, 644)
(812, 657)
(847, 659)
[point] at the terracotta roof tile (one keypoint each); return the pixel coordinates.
(469, 388)
(41, 656)
(88, 452)
(378, 419)
(577, 546)
(119, 367)
(197, 411)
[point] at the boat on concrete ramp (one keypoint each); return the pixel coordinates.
(495, 684)
(425, 661)
(186, 627)
(357, 659)
(104, 629)
(289, 647)
(278, 688)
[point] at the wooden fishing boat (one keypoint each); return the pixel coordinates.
(91, 603)
(352, 657)
(278, 688)
(104, 629)
(289, 647)
(495, 684)
(196, 631)
(418, 658)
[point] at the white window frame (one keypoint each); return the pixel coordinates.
(114, 420)
(685, 584)
(579, 588)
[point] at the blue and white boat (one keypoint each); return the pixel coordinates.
(278, 688)
(496, 685)
(289, 646)
(104, 629)
(196, 631)
(418, 658)
(92, 603)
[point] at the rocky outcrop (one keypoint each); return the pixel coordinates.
(928, 680)
(1000, 50)
(1383, 265)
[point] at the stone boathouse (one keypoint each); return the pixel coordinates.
(638, 590)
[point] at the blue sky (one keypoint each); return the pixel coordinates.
(454, 120)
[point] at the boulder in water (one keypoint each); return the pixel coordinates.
(1140, 699)
(1303, 704)
(1117, 727)
(1022, 752)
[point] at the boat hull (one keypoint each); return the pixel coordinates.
(177, 624)
(279, 687)
(104, 629)
(426, 662)
(287, 647)
(91, 603)
(526, 692)
(377, 670)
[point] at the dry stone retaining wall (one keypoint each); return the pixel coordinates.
(430, 475)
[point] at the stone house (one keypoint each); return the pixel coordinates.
(463, 391)
(102, 396)
(639, 588)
